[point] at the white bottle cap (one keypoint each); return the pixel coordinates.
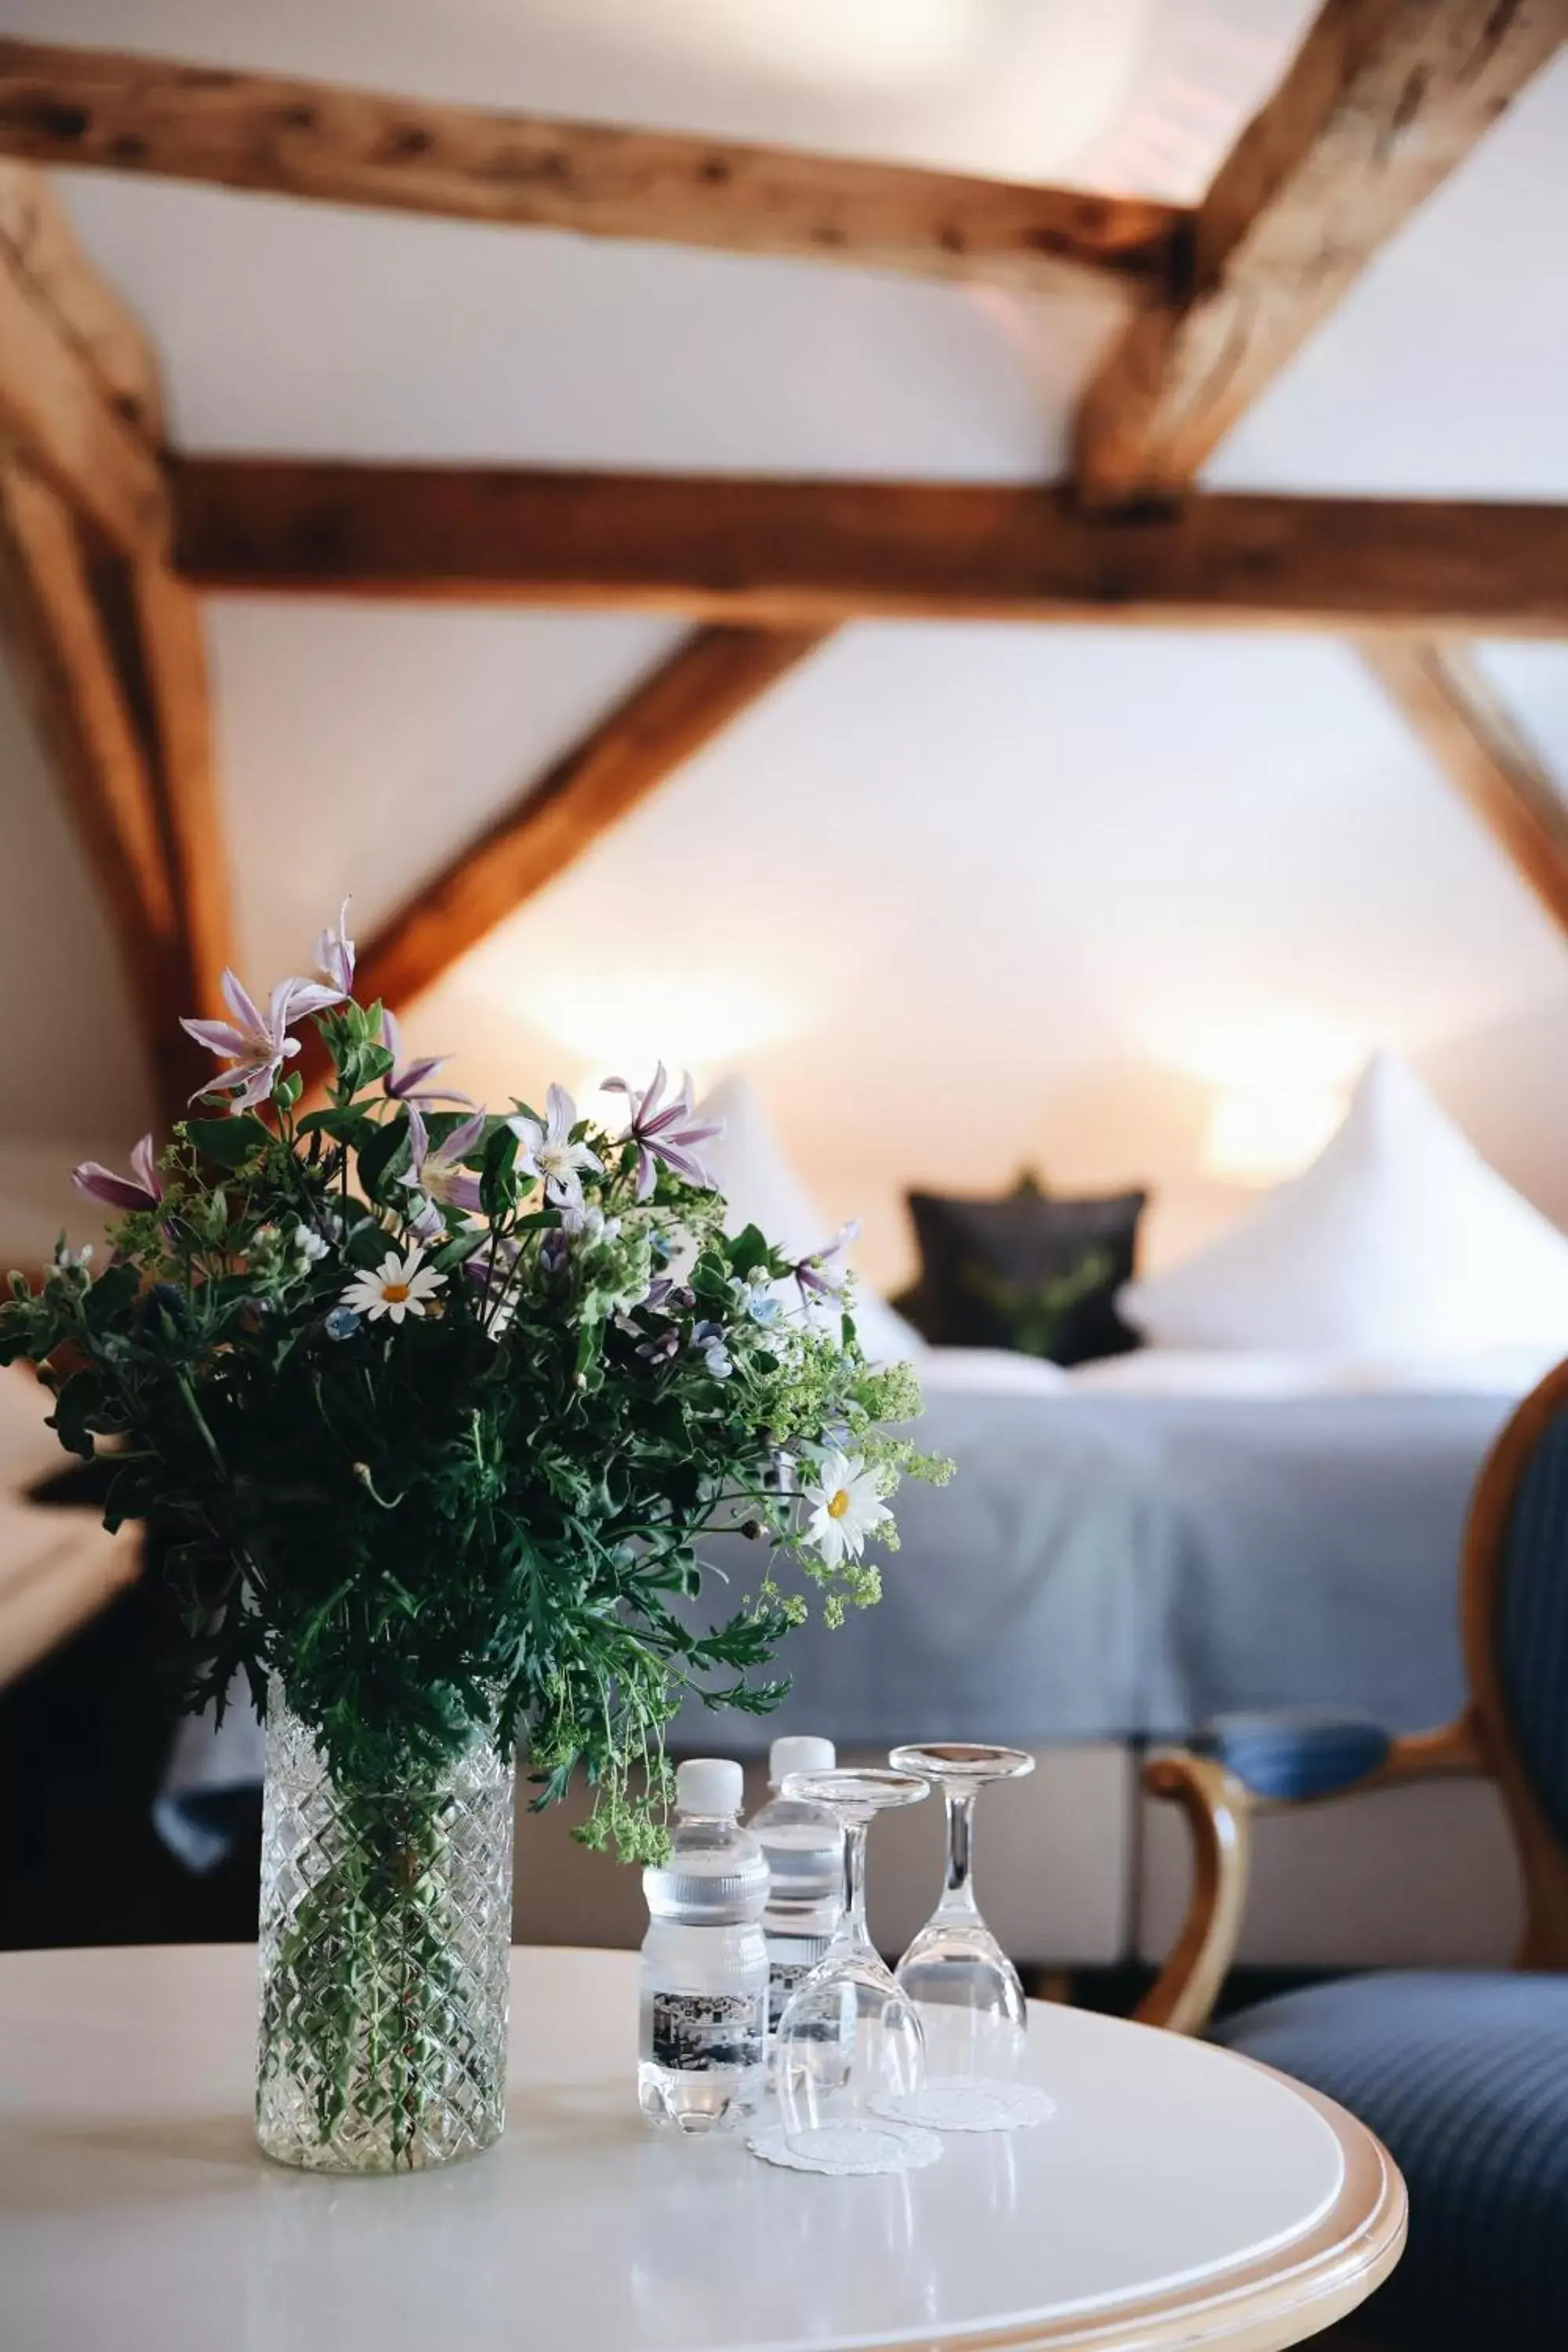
(795, 1754)
(709, 1785)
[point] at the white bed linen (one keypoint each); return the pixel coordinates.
(1233, 1372)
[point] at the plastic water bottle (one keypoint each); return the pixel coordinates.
(804, 1847)
(704, 1964)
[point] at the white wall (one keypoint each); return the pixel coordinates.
(1507, 1083)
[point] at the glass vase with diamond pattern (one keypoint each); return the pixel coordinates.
(384, 1939)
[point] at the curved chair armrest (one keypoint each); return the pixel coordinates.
(1216, 1807)
(1303, 1757)
(1267, 1765)
(1454, 1751)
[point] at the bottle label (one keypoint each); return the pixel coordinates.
(695, 2031)
(783, 1978)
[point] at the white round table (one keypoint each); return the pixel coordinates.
(1180, 2196)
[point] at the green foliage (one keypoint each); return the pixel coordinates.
(486, 1515)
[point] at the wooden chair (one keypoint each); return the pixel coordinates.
(1463, 2074)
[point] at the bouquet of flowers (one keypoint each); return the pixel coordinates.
(433, 1406)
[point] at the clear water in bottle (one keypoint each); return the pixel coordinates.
(704, 1963)
(804, 1847)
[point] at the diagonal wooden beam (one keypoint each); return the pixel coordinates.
(68, 421)
(109, 637)
(779, 554)
(1475, 741)
(154, 622)
(1384, 99)
(67, 674)
(717, 674)
(169, 654)
(135, 113)
(39, 242)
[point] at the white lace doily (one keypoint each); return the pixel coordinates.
(893, 2147)
(970, 2102)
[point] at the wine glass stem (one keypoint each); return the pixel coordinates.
(852, 1927)
(958, 1891)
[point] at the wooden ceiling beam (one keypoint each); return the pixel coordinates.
(108, 636)
(67, 670)
(1384, 100)
(135, 113)
(68, 421)
(170, 649)
(1475, 741)
(811, 553)
(664, 721)
(39, 242)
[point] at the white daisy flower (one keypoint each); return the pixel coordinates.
(399, 1286)
(844, 1507)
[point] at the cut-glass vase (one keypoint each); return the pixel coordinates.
(385, 1941)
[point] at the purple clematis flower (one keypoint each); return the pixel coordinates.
(257, 1042)
(824, 1274)
(143, 1190)
(335, 955)
(493, 1283)
(549, 1152)
(435, 1170)
(669, 1131)
(410, 1081)
(428, 1225)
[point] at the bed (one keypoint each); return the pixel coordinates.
(1130, 1551)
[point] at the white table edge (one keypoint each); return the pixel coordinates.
(1279, 2298)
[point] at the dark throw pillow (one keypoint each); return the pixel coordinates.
(1026, 1272)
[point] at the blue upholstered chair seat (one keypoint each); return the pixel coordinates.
(1465, 2079)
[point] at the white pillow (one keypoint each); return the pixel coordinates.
(1398, 1241)
(748, 1164)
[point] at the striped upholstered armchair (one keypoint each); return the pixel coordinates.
(1463, 2075)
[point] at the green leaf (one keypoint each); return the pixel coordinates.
(458, 1251)
(228, 1141)
(367, 1245)
(343, 1126)
(130, 1493)
(79, 1402)
(498, 1181)
(110, 1296)
(376, 1157)
(747, 1250)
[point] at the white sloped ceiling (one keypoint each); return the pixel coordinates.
(962, 895)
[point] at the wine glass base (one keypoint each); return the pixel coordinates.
(855, 2146)
(969, 2103)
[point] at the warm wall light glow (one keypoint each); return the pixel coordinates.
(1260, 1135)
(1282, 1080)
(621, 1024)
(1281, 1051)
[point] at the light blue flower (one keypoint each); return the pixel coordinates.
(341, 1323)
(709, 1339)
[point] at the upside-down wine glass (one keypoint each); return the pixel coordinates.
(965, 1988)
(849, 2038)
